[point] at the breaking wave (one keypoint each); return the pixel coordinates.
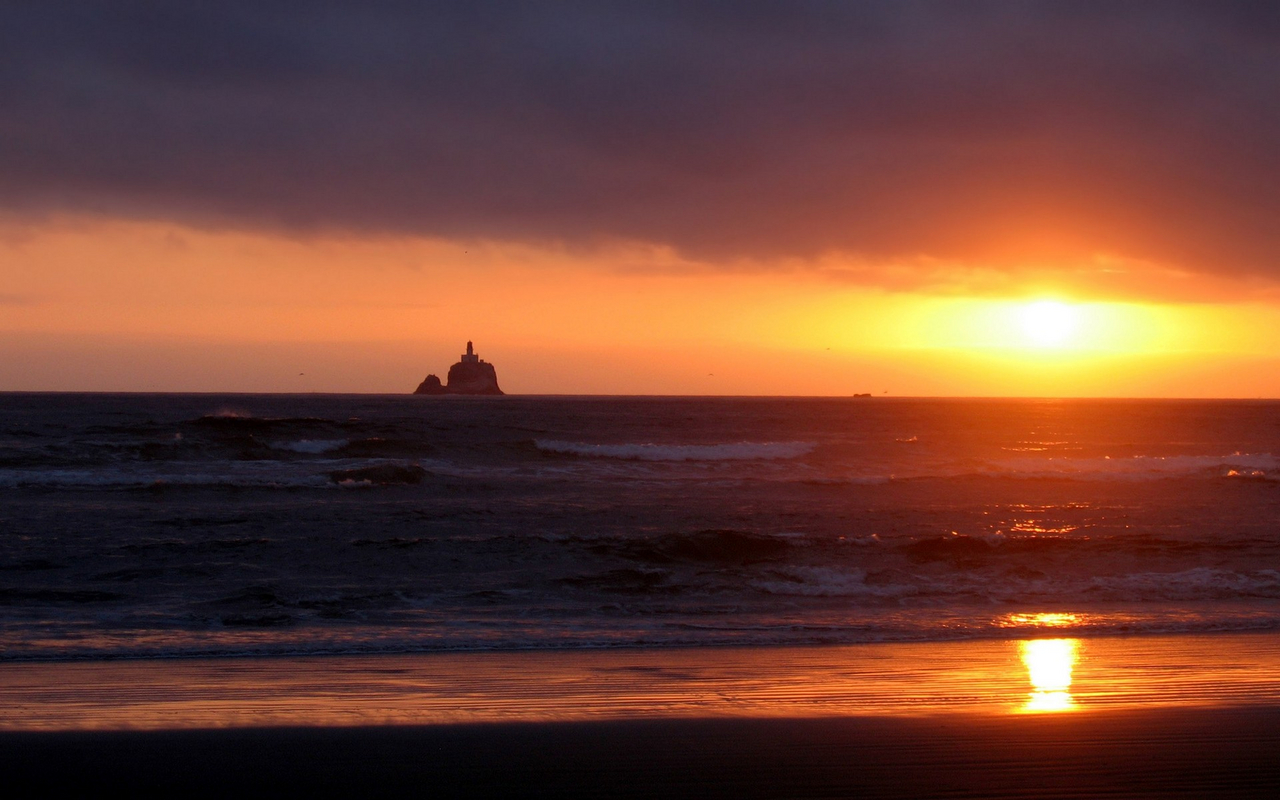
(1197, 583)
(1237, 465)
(736, 451)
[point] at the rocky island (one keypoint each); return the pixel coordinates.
(471, 375)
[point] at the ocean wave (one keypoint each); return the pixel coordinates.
(1195, 584)
(120, 479)
(735, 451)
(844, 480)
(1237, 465)
(1199, 583)
(379, 475)
(234, 421)
(710, 547)
(830, 582)
(311, 446)
(381, 447)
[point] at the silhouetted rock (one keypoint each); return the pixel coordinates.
(431, 385)
(471, 375)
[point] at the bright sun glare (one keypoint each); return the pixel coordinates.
(1049, 663)
(1048, 323)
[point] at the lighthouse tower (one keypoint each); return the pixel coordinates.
(470, 356)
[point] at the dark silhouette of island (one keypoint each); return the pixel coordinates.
(471, 375)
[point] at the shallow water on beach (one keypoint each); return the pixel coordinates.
(185, 525)
(975, 678)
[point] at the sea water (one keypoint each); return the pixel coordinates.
(138, 525)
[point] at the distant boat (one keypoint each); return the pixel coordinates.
(863, 394)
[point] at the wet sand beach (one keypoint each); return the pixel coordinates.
(1176, 716)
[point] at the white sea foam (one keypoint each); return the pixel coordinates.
(735, 451)
(804, 581)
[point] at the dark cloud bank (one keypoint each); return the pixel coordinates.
(993, 132)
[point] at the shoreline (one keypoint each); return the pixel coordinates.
(1005, 636)
(1141, 716)
(985, 677)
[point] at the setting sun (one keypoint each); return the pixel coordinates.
(1048, 323)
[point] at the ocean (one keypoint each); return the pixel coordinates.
(164, 525)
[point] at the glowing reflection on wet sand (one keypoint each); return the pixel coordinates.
(986, 677)
(1049, 664)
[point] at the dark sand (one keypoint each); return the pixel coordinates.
(1130, 753)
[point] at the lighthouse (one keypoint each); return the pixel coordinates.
(471, 375)
(470, 356)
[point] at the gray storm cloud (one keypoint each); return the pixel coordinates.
(1005, 133)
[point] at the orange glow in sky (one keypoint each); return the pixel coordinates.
(1036, 201)
(104, 304)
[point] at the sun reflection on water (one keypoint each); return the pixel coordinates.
(1040, 620)
(1049, 663)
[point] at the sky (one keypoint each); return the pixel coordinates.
(816, 198)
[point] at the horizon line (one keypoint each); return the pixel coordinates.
(498, 398)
